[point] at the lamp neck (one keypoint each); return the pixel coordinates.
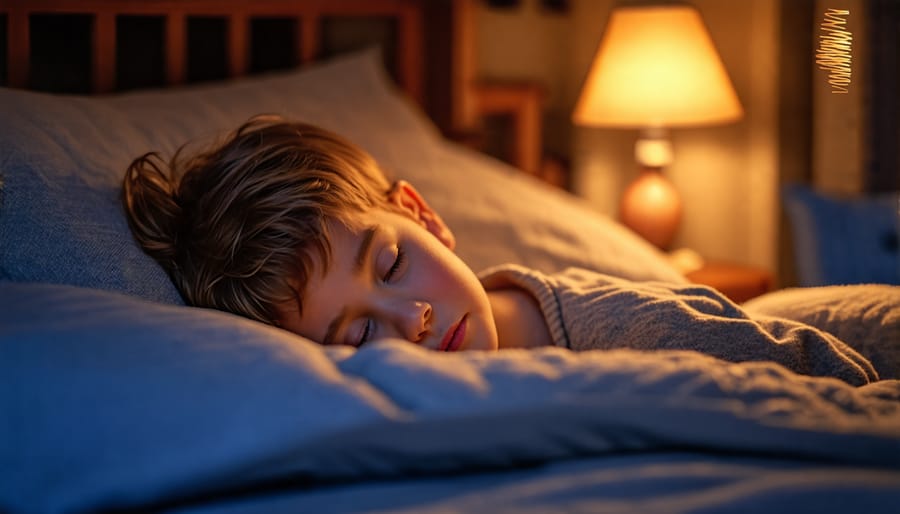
(653, 148)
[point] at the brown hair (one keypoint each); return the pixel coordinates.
(237, 226)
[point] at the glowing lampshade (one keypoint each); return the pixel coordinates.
(656, 67)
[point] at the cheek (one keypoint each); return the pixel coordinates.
(322, 302)
(443, 273)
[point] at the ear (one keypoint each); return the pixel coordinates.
(410, 202)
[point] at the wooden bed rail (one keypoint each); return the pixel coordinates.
(307, 14)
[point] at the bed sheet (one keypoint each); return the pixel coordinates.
(674, 482)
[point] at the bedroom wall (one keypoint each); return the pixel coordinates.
(531, 42)
(727, 174)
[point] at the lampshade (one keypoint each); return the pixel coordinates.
(656, 67)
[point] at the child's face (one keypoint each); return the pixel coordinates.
(396, 276)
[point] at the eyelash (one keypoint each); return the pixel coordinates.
(398, 263)
(367, 330)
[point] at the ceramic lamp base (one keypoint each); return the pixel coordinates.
(651, 207)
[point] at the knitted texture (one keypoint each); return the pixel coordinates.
(585, 310)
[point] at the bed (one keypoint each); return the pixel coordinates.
(117, 397)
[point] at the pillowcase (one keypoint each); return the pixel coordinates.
(112, 400)
(844, 241)
(64, 157)
(501, 215)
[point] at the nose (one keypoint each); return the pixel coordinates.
(412, 319)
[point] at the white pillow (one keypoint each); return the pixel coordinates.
(501, 215)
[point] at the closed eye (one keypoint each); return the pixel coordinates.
(366, 334)
(399, 261)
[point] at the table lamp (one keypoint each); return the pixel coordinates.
(656, 68)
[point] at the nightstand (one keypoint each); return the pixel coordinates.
(738, 282)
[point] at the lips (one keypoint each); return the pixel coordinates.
(454, 337)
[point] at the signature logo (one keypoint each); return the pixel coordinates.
(835, 49)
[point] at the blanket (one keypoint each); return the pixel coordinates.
(586, 310)
(865, 316)
(110, 402)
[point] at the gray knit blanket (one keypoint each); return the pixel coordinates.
(848, 333)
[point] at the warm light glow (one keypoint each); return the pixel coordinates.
(656, 67)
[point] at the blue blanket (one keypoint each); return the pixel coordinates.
(113, 402)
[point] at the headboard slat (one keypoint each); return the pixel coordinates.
(237, 44)
(308, 38)
(19, 48)
(176, 48)
(104, 50)
(410, 37)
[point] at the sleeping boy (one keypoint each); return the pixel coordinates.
(291, 225)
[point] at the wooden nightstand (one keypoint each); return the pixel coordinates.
(738, 282)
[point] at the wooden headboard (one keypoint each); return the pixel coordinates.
(104, 46)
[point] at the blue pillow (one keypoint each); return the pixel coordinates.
(61, 220)
(844, 241)
(62, 159)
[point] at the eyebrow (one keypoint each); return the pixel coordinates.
(362, 253)
(364, 247)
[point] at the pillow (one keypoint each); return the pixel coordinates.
(865, 316)
(501, 215)
(64, 157)
(110, 399)
(844, 241)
